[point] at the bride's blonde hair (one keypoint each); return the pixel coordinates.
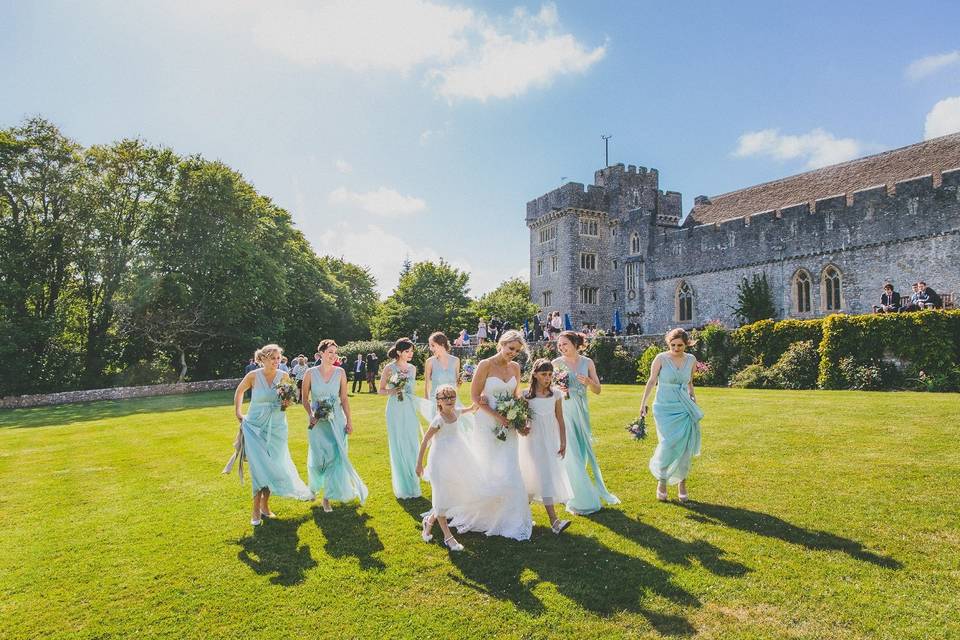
(513, 335)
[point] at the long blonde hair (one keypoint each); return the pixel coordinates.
(513, 335)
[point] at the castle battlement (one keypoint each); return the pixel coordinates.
(572, 195)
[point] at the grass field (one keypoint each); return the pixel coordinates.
(815, 515)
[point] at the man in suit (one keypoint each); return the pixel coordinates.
(889, 300)
(359, 373)
(373, 368)
(929, 299)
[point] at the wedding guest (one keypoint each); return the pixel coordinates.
(264, 431)
(453, 471)
(889, 300)
(914, 302)
(251, 366)
(299, 370)
(543, 449)
(676, 414)
(328, 468)
(556, 325)
(359, 373)
(481, 331)
(462, 339)
(403, 426)
(283, 365)
(373, 370)
(316, 359)
(587, 492)
(929, 299)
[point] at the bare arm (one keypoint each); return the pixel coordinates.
(591, 380)
(384, 381)
(427, 370)
(243, 387)
(345, 401)
(651, 382)
(423, 448)
(305, 397)
(558, 410)
(693, 395)
(515, 368)
(456, 373)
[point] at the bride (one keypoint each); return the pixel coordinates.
(508, 512)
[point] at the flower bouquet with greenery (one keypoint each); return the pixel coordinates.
(287, 393)
(638, 428)
(398, 381)
(516, 411)
(322, 409)
(561, 380)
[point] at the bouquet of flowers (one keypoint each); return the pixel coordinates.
(638, 428)
(322, 409)
(516, 411)
(469, 368)
(398, 381)
(286, 392)
(561, 380)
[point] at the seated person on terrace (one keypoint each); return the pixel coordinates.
(913, 304)
(929, 299)
(889, 300)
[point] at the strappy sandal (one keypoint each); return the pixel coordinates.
(559, 526)
(452, 544)
(326, 506)
(425, 534)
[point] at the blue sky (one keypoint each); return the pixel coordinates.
(422, 128)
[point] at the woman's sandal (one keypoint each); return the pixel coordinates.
(662, 497)
(425, 533)
(682, 495)
(326, 506)
(453, 545)
(559, 526)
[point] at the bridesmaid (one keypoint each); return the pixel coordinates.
(328, 467)
(676, 413)
(441, 368)
(265, 435)
(403, 426)
(587, 492)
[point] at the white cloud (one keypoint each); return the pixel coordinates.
(463, 53)
(382, 202)
(931, 64)
(818, 147)
(343, 166)
(393, 35)
(944, 118)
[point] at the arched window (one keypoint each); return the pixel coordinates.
(684, 302)
(830, 289)
(801, 291)
(635, 243)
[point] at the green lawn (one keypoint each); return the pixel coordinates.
(816, 515)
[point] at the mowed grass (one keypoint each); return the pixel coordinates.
(815, 515)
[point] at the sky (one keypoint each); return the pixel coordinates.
(420, 128)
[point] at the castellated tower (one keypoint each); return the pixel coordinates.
(589, 246)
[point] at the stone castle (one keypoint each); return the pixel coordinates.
(827, 241)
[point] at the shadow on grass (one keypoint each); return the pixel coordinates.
(274, 550)
(415, 507)
(63, 414)
(349, 535)
(765, 524)
(668, 548)
(597, 578)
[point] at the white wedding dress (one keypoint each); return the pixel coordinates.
(507, 510)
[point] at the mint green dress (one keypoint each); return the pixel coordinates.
(403, 436)
(265, 443)
(441, 376)
(587, 491)
(328, 467)
(678, 421)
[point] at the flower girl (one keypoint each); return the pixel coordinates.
(543, 449)
(452, 471)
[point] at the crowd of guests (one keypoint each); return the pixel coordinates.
(923, 297)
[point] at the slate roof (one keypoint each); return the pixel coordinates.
(928, 157)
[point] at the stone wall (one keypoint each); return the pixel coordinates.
(117, 393)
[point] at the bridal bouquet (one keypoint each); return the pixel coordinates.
(398, 381)
(286, 392)
(322, 409)
(561, 380)
(516, 411)
(638, 428)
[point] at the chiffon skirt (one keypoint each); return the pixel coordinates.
(678, 433)
(267, 453)
(587, 491)
(403, 437)
(328, 467)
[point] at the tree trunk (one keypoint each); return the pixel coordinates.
(183, 364)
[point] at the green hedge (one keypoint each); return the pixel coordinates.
(927, 342)
(765, 341)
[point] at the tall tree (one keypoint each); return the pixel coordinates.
(39, 172)
(429, 297)
(510, 301)
(362, 299)
(754, 300)
(121, 186)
